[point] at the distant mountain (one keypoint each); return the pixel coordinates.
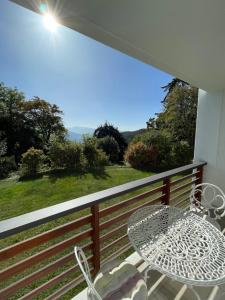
(76, 133)
(129, 135)
(82, 130)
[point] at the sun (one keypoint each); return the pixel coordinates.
(50, 22)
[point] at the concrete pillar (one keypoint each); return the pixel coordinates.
(210, 136)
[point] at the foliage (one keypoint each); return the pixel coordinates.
(111, 148)
(109, 130)
(140, 156)
(45, 117)
(31, 161)
(18, 133)
(25, 124)
(129, 135)
(66, 155)
(177, 122)
(164, 153)
(161, 143)
(175, 82)
(95, 158)
(3, 147)
(181, 153)
(7, 165)
(179, 115)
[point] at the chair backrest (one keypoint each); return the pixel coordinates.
(209, 199)
(83, 264)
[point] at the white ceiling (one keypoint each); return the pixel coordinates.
(185, 38)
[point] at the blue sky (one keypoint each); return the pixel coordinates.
(90, 82)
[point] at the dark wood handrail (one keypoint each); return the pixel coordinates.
(29, 220)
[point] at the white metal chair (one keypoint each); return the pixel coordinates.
(208, 200)
(118, 282)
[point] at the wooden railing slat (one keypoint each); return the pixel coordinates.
(180, 195)
(118, 252)
(43, 238)
(52, 282)
(112, 233)
(39, 274)
(34, 259)
(177, 189)
(175, 182)
(67, 287)
(106, 211)
(125, 215)
(182, 201)
(113, 243)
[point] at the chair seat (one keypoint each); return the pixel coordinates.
(120, 280)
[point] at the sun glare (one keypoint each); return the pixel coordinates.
(50, 22)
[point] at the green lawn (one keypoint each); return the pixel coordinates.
(19, 197)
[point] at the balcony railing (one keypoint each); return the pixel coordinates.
(43, 265)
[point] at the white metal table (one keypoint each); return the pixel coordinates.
(179, 244)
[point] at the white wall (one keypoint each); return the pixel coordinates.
(210, 136)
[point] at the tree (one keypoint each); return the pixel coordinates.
(179, 115)
(176, 82)
(25, 124)
(151, 123)
(110, 146)
(45, 118)
(178, 118)
(16, 131)
(109, 130)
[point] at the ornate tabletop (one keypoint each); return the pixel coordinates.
(179, 244)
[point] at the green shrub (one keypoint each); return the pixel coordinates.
(111, 148)
(161, 143)
(66, 155)
(181, 153)
(140, 156)
(31, 161)
(7, 165)
(95, 158)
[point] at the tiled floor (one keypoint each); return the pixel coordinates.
(163, 288)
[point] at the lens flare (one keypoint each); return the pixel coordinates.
(50, 22)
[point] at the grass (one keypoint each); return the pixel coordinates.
(19, 197)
